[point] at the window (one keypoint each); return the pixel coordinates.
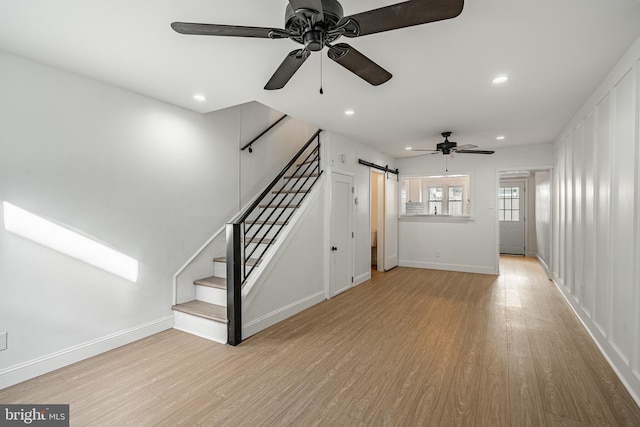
(435, 200)
(509, 208)
(448, 195)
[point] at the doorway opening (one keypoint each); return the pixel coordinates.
(384, 220)
(524, 213)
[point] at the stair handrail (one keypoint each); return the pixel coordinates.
(236, 262)
(277, 179)
(249, 144)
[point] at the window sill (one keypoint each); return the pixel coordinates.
(436, 218)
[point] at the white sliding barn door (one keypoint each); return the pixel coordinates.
(391, 222)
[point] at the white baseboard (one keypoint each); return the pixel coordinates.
(201, 327)
(626, 374)
(545, 267)
(448, 267)
(361, 278)
(42, 365)
(254, 326)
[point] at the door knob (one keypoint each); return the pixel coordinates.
(333, 248)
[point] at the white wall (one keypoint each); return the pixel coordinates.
(470, 246)
(295, 278)
(543, 217)
(148, 179)
(596, 237)
(339, 145)
(272, 151)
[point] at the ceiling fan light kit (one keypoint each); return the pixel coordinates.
(316, 24)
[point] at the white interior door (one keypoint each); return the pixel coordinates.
(390, 222)
(341, 255)
(511, 214)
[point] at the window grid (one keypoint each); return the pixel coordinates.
(435, 200)
(509, 208)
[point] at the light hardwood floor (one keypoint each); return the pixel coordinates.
(409, 348)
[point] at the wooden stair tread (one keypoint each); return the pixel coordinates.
(267, 222)
(257, 239)
(252, 261)
(212, 282)
(290, 191)
(203, 309)
(307, 162)
(313, 175)
(279, 206)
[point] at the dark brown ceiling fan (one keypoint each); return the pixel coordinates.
(450, 147)
(319, 23)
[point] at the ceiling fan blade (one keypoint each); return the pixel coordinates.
(475, 151)
(427, 151)
(228, 30)
(358, 64)
(312, 6)
(466, 147)
(402, 15)
(287, 69)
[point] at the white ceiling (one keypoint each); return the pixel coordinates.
(555, 52)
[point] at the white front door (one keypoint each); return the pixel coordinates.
(511, 215)
(341, 249)
(391, 222)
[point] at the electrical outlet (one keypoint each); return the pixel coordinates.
(3, 341)
(437, 254)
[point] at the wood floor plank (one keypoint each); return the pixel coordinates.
(591, 405)
(493, 405)
(555, 390)
(524, 397)
(409, 347)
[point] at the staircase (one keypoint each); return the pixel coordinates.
(215, 313)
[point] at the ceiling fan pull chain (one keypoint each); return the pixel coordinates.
(321, 91)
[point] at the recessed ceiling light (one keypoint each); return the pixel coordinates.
(349, 112)
(500, 79)
(409, 148)
(500, 138)
(199, 97)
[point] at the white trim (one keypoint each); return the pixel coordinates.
(186, 264)
(42, 365)
(361, 278)
(602, 345)
(282, 313)
(204, 247)
(211, 330)
(544, 266)
(448, 267)
(271, 256)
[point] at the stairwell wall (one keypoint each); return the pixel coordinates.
(148, 179)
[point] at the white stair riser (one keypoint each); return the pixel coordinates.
(266, 231)
(220, 269)
(276, 214)
(211, 295)
(205, 328)
(259, 251)
(288, 198)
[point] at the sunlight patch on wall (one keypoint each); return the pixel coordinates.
(54, 236)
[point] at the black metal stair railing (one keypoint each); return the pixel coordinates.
(249, 237)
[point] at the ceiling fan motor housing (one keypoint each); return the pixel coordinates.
(313, 37)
